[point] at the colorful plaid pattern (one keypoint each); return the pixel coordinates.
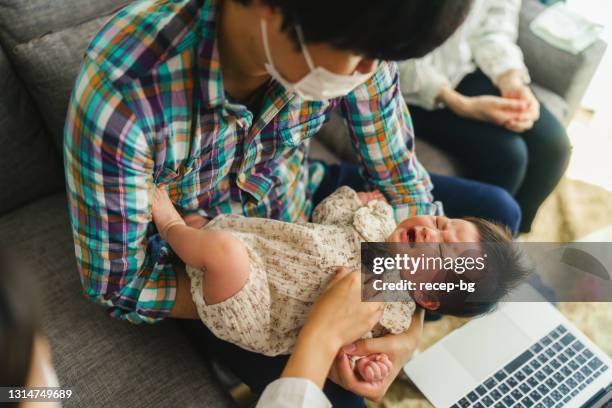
(149, 108)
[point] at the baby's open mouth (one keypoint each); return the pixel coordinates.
(410, 236)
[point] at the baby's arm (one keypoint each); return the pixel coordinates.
(223, 257)
(338, 208)
(366, 196)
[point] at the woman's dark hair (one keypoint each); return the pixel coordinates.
(19, 323)
(385, 29)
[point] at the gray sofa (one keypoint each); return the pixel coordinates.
(106, 362)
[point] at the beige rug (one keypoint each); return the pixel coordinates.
(574, 210)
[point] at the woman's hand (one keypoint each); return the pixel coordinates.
(516, 110)
(339, 314)
(512, 86)
(399, 349)
(486, 108)
(337, 318)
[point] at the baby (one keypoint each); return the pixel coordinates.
(253, 280)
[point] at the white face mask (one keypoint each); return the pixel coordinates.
(319, 83)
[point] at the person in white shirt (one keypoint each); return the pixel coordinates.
(471, 98)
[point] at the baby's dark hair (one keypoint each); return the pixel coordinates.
(505, 268)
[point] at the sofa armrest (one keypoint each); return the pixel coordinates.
(563, 73)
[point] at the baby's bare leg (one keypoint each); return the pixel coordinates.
(223, 257)
(374, 367)
(227, 268)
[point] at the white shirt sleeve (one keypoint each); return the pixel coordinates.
(293, 393)
(493, 41)
(420, 82)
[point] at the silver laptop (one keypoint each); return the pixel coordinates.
(522, 355)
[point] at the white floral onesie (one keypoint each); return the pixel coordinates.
(290, 266)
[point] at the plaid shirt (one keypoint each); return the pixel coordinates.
(149, 108)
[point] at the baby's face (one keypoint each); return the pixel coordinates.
(430, 228)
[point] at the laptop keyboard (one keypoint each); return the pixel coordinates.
(549, 374)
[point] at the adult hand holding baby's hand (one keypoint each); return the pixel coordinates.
(399, 349)
(337, 318)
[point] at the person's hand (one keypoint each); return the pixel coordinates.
(195, 220)
(374, 367)
(339, 314)
(399, 349)
(366, 196)
(512, 86)
(516, 114)
(337, 318)
(489, 108)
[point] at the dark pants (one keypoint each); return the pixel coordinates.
(461, 197)
(257, 370)
(528, 165)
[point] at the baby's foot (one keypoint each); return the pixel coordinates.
(164, 213)
(366, 196)
(374, 367)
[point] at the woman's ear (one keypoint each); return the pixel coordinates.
(424, 301)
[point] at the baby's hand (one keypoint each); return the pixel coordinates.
(374, 367)
(366, 197)
(195, 220)
(164, 213)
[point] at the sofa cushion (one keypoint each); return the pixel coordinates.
(46, 41)
(49, 65)
(557, 70)
(22, 21)
(106, 362)
(435, 160)
(30, 167)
